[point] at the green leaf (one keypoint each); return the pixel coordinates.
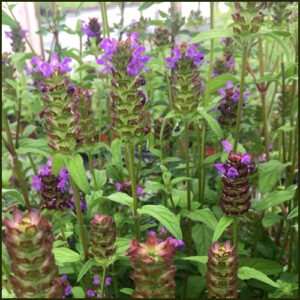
(145, 5)
(199, 259)
(269, 267)
(157, 22)
(15, 194)
(13, 83)
(245, 273)
(101, 179)
(85, 268)
(122, 246)
(57, 162)
(212, 158)
(126, 291)
(7, 20)
(77, 172)
(65, 255)
(121, 198)
(270, 219)
(78, 292)
(212, 122)
(269, 174)
(275, 198)
(224, 222)
(179, 179)
(220, 82)
(293, 213)
(202, 237)
(154, 187)
(205, 216)
(211, 34)
(165, 217)
(38, 146)
(28, 130)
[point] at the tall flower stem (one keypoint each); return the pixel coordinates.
(11, 149)
(283, 94)
(204, 124)
(38, 14)
(80, 56)
(104, 19)
(242, 84)
(187, 167)
(131, 171)
(235, 231)
(115, 280)
(103, 283)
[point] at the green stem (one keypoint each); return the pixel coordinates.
(104, 19)
(80, 56)
(92, 170)
(187, 167)
(103, 283)
(235, 231)
(196, 124)
(286, 234)
(283, 114)
(115, 281)
(14, 155)
(291, 240)
(32, 163)
(131, 170)
(80, 219)
(6, 287)
(239, 113)
(207, 91)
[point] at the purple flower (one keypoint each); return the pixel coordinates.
(96, 280)
(90, 293)
(83, 206)
(68, 290)
(230, 63)
(246, 95)
(28, 71)
(199, 59)
(223, 40)
(163, 229)
(251, 168)
(44, 171)
(107, 281)
(176, 243)
(118, 186)
(63, 174)
(107, 67)
(7, 34)
(221, 168)
(141, 93)
(62, 185)
(140, 191)
(133, 38)
(46, 69)
(262, 159)
(171, 60)
(213, 109)
(43, 87)
(109, 46)
(245, 159)
(229, 84)
(137, 61)
(227, 146)
(70, 241)
(235, 96)
(232, 173)
(222, 92)
(191, 52)
(37, 183)
(64, 277)
(64, 68)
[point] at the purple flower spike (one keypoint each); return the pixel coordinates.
(68, 290)
(221, 168)
(37, 183)
(232, 173)
(44, 171)
(191, 52)
(140, 191)
(227, 146)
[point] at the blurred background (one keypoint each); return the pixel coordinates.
(120, 15)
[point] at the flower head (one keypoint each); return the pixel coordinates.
(245, 159)
(232, 173)
(227, 146)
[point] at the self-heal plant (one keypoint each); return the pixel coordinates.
(17, 38)
(154, 271)
(235, 199)
(222, 269)
(29, 246)
(92, 29)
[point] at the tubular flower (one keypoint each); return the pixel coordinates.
(247, 17)
(57, 96)
(102, 239)
(17, 37)
(8, 71)
(34, 272)
(52, 188)
(92, 30)
(125, 61)
(186, 83)
(229, 105)
(236, 196)
(222, 269)
(83, 106)
(154, 271)
(162, 36)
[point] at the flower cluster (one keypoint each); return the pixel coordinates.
(188, 54)
(66, 285)
(228, 44)
(52, 188)
(222, 269)
(222, 66)
(247, 17)
(139, 26)
(186, 83)
(8, 70)
(17, 36)
(281, 12)
(102, 240)
(154, 271)
(229, 105)
(92, 30)
(54, 67)
(236, 196)
(96, 290)
(162, 36)
(34, 273)
(125, 62)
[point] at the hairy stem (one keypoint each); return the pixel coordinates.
(103, 283)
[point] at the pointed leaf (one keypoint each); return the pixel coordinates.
(224, 222)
